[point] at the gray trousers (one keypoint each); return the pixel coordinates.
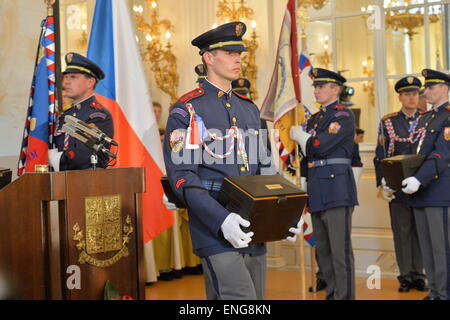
(406, 242)
(433, 230)
(234, 276)
(332, 232)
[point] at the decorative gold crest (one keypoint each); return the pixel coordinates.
(201, 68)
(425, 73)
(334, 128)
(238, 30)
(103, 231)
(176, 139)
(69, 57)
(410, 80)
(447, 133)
(241, 82)
(314, 72)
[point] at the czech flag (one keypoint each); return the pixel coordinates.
(124, 91)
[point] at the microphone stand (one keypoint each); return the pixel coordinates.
(94, 159)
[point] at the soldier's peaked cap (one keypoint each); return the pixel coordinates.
(433, 77)
(322, 76)
(227, 37)
(76, 63)
(409, 83)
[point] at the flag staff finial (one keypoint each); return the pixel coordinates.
(50, 4)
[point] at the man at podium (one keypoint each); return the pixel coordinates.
(79, 81)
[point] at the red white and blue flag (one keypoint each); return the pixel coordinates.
(124, 91)
(40, 121)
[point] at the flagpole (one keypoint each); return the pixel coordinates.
(297, 164)
(53, 5)
(303, 17)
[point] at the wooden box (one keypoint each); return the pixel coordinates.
(271, 203)
(397, 168)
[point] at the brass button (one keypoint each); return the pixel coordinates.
(332, 175)
(436, 177)
(242, 168)
(315, 125)
(432, 130)
(321, 117)
(228, 105)
(426, 124)
(256, 132)
(74, 114)
(234, 119)
(433, 115)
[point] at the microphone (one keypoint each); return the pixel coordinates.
(92, 131)
(89, 140)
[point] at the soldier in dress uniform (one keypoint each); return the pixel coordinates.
(79, 81)
(327, 146)
(430, 185)
(233, 267)
(394, 139)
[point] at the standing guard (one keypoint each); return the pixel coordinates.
(394, 138)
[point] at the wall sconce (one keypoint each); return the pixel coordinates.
(369, 86)
(325, 58)
(158, 49)
(230, 11)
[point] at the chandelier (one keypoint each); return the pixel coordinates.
(158, 49)
(237, 10)
(368, 86)
(408, 19)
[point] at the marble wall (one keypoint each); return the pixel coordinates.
(19, 34)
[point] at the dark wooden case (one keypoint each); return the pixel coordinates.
(271, 203)
(171, 196)
(397, 168)
(5, 177)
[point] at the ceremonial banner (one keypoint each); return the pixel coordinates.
(40, 121)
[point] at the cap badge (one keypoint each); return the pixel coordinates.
(69, 57)
(241, 82)
(425, 73)
(410, 80)
(239, 29)
(314, 72)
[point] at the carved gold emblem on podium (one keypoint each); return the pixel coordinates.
(104, 231)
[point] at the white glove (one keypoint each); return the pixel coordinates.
(169, 205)
(233, 233)
(411, 185)
(300, 136)
(386, 192)
(303, 184)
(295, 231)
(54, 157)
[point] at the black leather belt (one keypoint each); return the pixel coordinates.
(327, 162)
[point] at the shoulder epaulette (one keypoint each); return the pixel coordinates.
(339, 107)
(191, 95)
(423, 112)
(96, 105)
(242, 96)
(390, 115)
(448, 107)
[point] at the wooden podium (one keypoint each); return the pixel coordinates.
(83, 227)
